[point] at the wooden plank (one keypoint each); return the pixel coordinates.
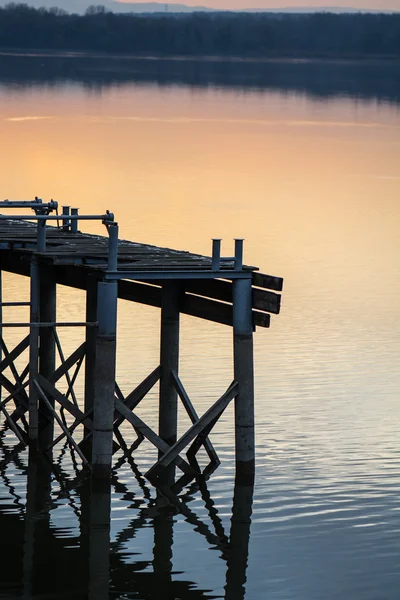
(138, 292)
(205, 308)
(261, 319)
(268, 281)
(216, 289)
(266, 301)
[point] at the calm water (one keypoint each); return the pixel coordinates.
(303, 161)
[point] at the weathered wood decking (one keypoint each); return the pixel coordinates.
(142, 267)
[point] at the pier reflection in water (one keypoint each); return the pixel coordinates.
(40, 560)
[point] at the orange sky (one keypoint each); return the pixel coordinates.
(241, 4)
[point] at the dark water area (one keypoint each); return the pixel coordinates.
(373, 80)
(40, 560)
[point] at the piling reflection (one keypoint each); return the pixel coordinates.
(85, 561)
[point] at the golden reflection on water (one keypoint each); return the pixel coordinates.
(313, 186)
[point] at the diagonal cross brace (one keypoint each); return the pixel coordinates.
(68, 363)
(153, 437)
(209, 448)
(11, 356)
(198, 427)
(65, 403)
(132, 400)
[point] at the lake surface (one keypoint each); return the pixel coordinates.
(303, 161)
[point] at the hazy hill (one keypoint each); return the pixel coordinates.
(80, 6)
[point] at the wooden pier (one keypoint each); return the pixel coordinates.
(50, 250)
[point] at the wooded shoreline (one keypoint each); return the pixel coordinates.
(202, 35)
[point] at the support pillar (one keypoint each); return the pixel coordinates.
(90, 359)
(1, 320)
(34, 350)
(244, 375)
(169, 361)
(47, 349)
(104, 379)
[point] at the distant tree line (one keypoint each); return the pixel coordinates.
(202, 34)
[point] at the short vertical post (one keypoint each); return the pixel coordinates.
(244, 375)
(41, 235)
(169, 361)
(34, 349)
(238, 254)
(65, 221)
(104, 379)
(47, 349)
(216, 254)
(74, 222)
(112, 263)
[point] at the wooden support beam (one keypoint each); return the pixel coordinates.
(137, 395)
(267, 281)
(90, 358)
(203, 299)
(34, 350)
(15, 352)
(47, 348)
(13, 426)
(104, 379)
(215, 410)
(209, 448)
(50, 407)
(65, 403)
(169, 361)
(150, 435)
(68, 363)
(244, 375)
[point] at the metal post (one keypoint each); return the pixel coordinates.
(113, 247)
(47, 350)
(34, 349)
(74, 222)
(104, 379)
(90, 359)
(216, 254)
(169, 361)
(238, 254)
(41, 236)
(65, 222)
(244, 375)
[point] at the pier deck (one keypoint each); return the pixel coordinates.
(50, 250)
